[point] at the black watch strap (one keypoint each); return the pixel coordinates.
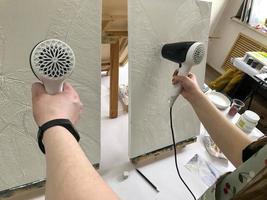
(56, 122)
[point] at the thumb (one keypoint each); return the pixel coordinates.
(37, 89)
(178, 79)
(68, 89)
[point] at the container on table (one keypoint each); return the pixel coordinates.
(248, 121)
(235, 107)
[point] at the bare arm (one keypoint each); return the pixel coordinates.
(229, 138)
(70, 175)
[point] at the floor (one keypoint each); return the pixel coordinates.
(210, 74)
(111, 129)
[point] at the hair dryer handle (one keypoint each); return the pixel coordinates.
(53, 86)
(175, 92)
(177, 88)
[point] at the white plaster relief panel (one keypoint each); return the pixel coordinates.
(152, 24)
(22, 25)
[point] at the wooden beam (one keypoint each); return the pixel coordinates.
(115, 33)
(105, 68)
(159, 154)
(110, 40)
(111, 28)
(114, 79)
(114, 17)
(105, 60)
(123, 51)
(105, 25)
(105, 64)
(109, 37)
(123, 45)
(124, 61)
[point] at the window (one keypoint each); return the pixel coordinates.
(258, 13)
(254, 13)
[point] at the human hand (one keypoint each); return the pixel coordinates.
(47, 107)
(190, 88)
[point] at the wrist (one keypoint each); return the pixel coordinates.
(196, 97)
(57, 140)
(55, 130)
(42, 120)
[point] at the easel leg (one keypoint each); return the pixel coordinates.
(114, 80)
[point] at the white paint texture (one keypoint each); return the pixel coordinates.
(22, 25)
(151, 24)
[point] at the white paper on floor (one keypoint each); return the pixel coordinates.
(202, 168)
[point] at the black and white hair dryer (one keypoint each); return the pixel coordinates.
(186, 54)
(52, 61)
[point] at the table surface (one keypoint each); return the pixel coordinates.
(163, 175)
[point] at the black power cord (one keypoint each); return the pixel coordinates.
(175, 156)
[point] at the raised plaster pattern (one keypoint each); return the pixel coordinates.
(22, 25)
(151, 24)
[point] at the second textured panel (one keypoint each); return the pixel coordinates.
(152, 24)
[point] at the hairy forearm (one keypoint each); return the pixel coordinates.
(230, 139)
(70, 175)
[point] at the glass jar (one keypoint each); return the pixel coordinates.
(248, 121)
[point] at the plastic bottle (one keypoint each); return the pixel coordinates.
(248, 121)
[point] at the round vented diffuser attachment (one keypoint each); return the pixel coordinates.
(52, 59)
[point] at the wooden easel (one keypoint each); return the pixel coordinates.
(114, 36)
(160, 153)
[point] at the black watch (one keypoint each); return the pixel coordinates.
(56, 122)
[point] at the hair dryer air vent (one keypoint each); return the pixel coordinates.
(199, 53)
(52, 59)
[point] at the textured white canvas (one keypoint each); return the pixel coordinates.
(22, 25)
(152, 24)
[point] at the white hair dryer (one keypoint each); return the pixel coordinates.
(52, 61)
(187, 54)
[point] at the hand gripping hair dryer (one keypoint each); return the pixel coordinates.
(52, 61)
(186, 54)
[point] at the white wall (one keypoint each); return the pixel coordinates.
(217, 10)
(228, 31)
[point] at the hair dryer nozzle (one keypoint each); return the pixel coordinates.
(187, 54)
(184, 52)
(52, 61)
(176, 52)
